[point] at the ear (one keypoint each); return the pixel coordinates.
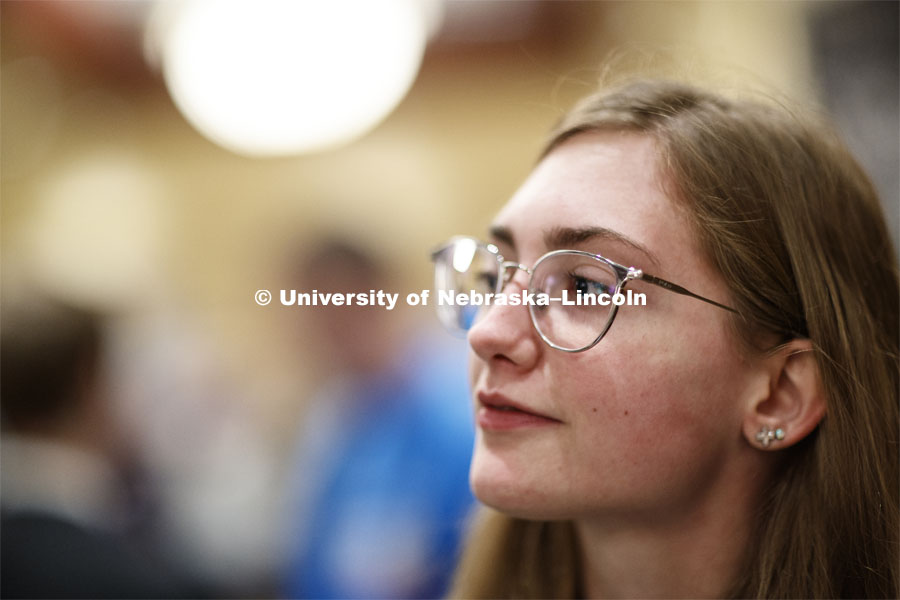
(795, 403)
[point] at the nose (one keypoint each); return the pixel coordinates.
(504, 333)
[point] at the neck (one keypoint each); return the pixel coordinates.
(698, 553)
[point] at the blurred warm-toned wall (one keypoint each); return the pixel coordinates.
(157, 216)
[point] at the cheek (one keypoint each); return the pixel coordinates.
(653, 368)
(671, 385)
(651, 421)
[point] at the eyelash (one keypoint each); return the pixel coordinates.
(604, 287)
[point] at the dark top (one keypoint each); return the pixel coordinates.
(45, 556)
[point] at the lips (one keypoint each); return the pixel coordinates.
(498, 413)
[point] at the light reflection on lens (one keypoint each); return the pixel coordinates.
(463, 253)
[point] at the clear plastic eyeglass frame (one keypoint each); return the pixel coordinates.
(506, 271)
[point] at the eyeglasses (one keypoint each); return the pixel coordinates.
(572, 296)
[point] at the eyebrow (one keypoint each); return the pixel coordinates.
(565, 237)
(503, 235)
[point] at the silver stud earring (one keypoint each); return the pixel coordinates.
(766, 436)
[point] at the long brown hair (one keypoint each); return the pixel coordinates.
(795, 228)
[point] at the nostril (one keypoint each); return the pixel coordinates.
(502, 358)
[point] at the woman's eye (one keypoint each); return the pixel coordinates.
(585, 286)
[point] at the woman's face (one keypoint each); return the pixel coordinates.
(645, 421)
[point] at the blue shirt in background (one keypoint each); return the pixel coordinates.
(381, 486)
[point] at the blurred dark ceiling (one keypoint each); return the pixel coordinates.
(104, 40)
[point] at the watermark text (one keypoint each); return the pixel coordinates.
(389, 300)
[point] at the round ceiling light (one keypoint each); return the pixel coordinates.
(276, 77)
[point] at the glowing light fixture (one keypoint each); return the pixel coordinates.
(276, 77)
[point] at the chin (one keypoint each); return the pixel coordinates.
(515, 494)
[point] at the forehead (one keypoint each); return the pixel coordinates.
(607, 180)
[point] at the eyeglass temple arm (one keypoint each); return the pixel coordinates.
(638, 274)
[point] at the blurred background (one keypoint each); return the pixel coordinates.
(162, 161)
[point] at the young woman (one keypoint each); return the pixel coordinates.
(735, 435)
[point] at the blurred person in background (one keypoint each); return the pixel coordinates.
(380, 491)
(65, 512)
(211, 489)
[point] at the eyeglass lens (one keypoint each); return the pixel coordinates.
(570, 321)
(574, 282)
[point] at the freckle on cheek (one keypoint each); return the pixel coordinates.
(595, 409)
(626, 413)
